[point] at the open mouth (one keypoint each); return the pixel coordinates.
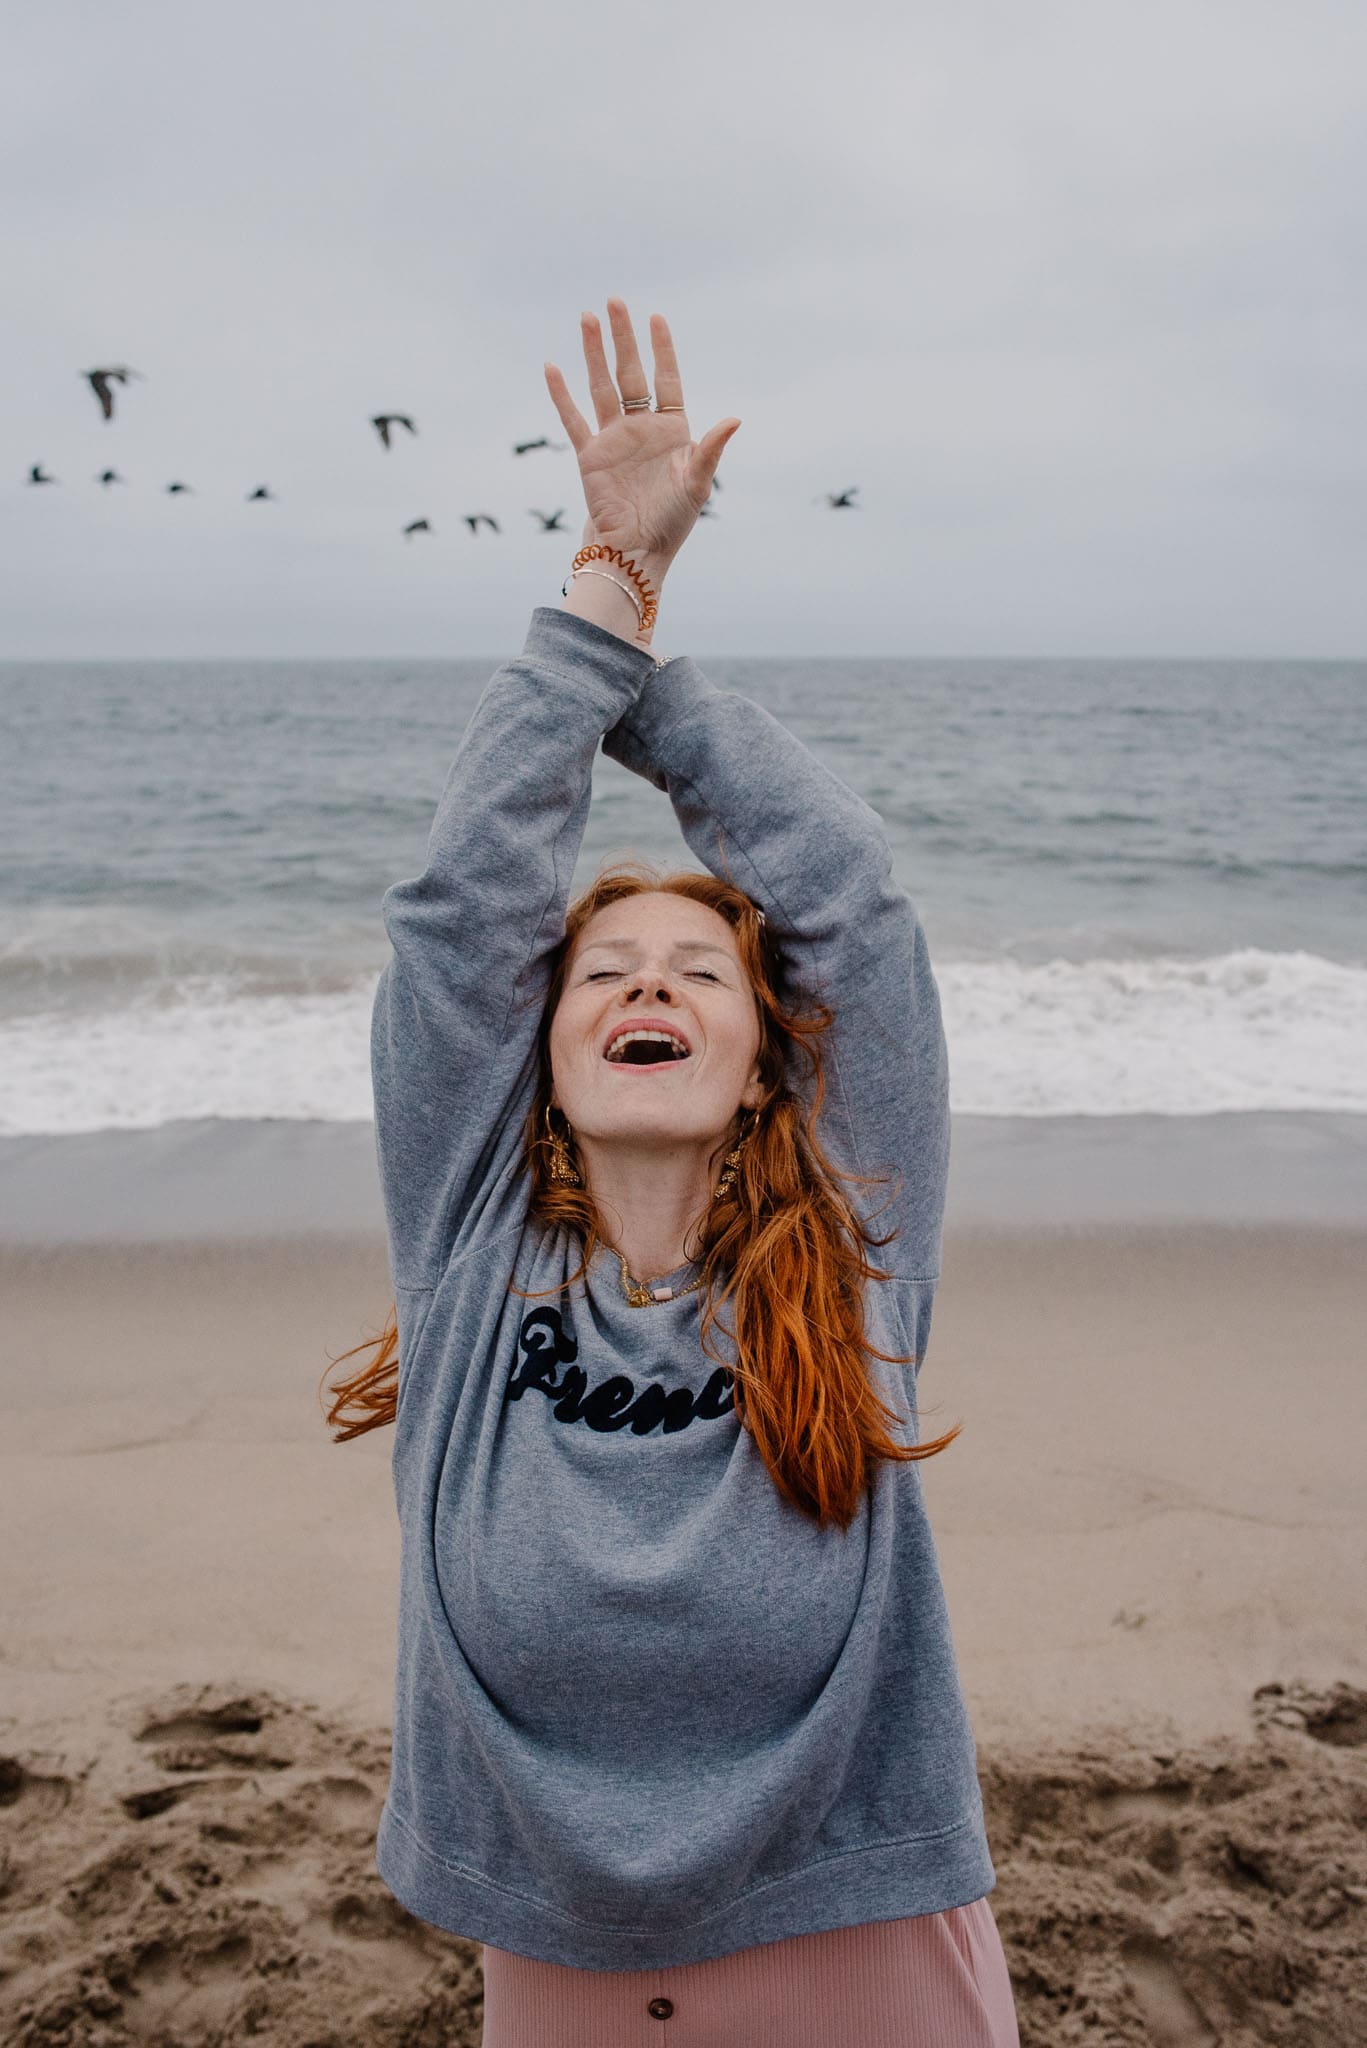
(646, 1048)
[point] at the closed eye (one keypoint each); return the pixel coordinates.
(612, 974)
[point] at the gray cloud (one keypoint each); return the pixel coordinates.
(1073, 293)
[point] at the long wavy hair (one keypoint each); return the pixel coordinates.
(784, 1254)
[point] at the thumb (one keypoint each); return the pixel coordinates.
(702, 466)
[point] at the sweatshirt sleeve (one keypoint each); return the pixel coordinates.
(459, 1001)
(758, 809)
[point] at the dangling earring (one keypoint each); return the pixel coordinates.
(731, 1164)
(563, 1170)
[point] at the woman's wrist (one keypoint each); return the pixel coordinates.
(594, 598)
(604, 593)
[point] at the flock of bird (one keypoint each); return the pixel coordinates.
(102, 383)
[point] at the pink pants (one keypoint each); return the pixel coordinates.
(937, 1980)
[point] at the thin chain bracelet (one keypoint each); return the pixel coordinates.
(597, 552)
(626, 587)
(564, 590)
(658, 659)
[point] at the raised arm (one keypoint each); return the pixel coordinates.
(453, 1032)
(757, 807)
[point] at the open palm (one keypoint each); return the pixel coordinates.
(645, 478)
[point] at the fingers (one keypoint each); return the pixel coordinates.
(702, 463)
(571, 419)
(606, 404)
(631, 375)
(668, 383)
(631, 382)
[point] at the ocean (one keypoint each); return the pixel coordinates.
(1144, 884)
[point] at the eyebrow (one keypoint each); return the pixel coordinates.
(679, 946)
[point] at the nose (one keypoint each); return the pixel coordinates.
(662, 994)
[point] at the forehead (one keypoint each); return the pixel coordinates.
(657, 917)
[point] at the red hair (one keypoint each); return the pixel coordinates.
(784, 1254)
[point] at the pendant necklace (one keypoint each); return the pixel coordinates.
(640, 1296)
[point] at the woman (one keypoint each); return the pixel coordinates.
(678, 1732)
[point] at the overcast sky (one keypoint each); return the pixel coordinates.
(1074, 293)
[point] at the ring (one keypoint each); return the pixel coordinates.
(636, 404)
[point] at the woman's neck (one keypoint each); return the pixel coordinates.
(650, 1202)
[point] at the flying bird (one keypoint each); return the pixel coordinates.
(99, 384)
(110, 476)
(383, 421)
(179, 487)
(35, 476)
(417, 526)
(262, 492)
(472, 520)
(840, 500)
(525, 447)
(550, 523)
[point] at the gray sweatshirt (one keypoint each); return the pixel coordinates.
(646, 1712)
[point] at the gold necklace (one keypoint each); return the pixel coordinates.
(640, 1296)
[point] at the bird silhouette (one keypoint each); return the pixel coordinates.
(110, 476)
(839, 500)
(550, 523)
(525, 447)
(262, 492)
(472, 520)
(99, 384)
(417, 526)
(383, 421)
(35, 476)
(179, 487)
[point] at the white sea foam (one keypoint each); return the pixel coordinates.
(1247, 1030)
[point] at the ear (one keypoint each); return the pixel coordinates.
(753, 1093)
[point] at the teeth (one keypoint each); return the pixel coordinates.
(645, 1038)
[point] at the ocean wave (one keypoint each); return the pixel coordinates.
(1245, 1030)
(62, 955)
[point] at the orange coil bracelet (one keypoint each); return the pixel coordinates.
(596, 552)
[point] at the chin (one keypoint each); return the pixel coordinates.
(658, 1123)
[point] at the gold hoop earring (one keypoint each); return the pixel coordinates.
(731, 1165)
(563, 1170)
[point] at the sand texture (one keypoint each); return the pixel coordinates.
(202, 1873)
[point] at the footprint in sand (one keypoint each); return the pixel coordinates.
(161, 1798)
(1337, 1715)
(1171, 2015)
(190, 1991)
(1148, 1815)
(28, 1793)
(200, 1737)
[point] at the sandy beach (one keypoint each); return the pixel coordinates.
(1151, 1532)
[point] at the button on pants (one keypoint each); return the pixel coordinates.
(936, 1980)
